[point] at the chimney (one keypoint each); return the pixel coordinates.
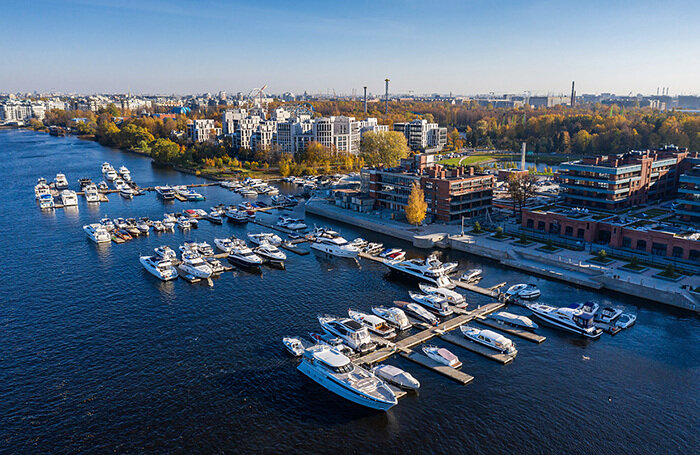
(365, 87)
(522, 156)
(386, 108)
(573, 94)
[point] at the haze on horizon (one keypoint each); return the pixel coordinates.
(93, 46)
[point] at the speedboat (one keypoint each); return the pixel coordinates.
(394, 316)
(41, 188)
(330, 340)
(124, 173)
(46, 202)
(143, 228)
(165, 252)
(165, 192)
(513, 320)
(270, 253)
(293, 224)
(373, 323)
(574, 320)
(190, 195)
(394, 254)
(126, 192)
(184, 223)
(490, 339)
(214, 217)
(216, 266)
(268, 237)
(294, 346)
(159, 267)
(350, 331)
(97, 233)
(421, 269)
(242, 255)
(122, 234)
(524, 291)
(91, 193)
(334, 371)
(472, 275)
(452, 297)
(237, 216)
(204, 249)
(432, 302)
(120, 223)
(107, 223)
(158, 226)
(625, 320)
(417, 311)
(61, 182)
(442, 356)
(69, 198)
(111, 175)
(224, 245)
(193, 264)
(331, 242)
(607, 315)
(396, 376)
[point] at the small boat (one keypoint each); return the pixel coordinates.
(395, 254)
(373, 323)
(523, 291)
(394, 316)
(107, 223)
(143, 228)
(216, 266)
(69, 198)
(242, 255)
(102, 186)
(237, 216)
(214, 217)
(442, 356)
(452, 297)
(330, 340)
(472, 275)
(350, 331)
(294, 346)
(84, 183)
(268, 237)
(122, 234)
(396, 376)
(61, 182)
(159, 267)
(193, 264)
(607, 315)
(158, 226)
(184, 223)
(124, 173)
(417, 311)
(513, 320)
(625, 320)
(490, 339)
(270, 253)
(432, 302)
(165, 192)
(46, 202)
(97, 233)
(224, 244)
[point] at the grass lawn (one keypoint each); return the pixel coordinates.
(466, 161)
(670, 275)
(549, 248)
(633, 267)
(599, 260)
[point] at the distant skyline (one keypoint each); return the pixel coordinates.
(468, 47)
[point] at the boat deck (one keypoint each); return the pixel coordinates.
(469, 345)
(522, 333)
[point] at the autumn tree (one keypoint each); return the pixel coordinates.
(164, 150)
(521, 188)
(383, 147)
(416, 207)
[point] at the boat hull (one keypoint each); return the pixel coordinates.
(558, 324)
(334, 251)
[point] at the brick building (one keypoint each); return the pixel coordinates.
(688, 203)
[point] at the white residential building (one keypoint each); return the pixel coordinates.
(371, 124)
(202, 130)
(422, 135)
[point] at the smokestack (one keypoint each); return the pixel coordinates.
(522, 156)
(386, 108)
(365, 87)
(573, 94)
(657, 91)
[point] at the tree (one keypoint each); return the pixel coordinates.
(521, 187)
(383, 147)
(416, 207)
(164, 150)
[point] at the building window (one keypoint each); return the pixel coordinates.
(579, 233)
(677, 252)
(569, 231)
(694, 255)
(658, 249)
(530, 223)
(641, 245)
(540, 225)
(626, 242)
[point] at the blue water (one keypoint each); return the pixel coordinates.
(98, 356)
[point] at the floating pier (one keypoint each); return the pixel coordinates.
(492, 292)
(444, 370)
(524, 334)
(469, 345)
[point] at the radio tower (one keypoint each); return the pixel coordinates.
(386, 109)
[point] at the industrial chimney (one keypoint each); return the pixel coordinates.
(522, 156)
(573, 94)
(365, 87)
(386, 109)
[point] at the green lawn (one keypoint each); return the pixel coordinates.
(466, 161)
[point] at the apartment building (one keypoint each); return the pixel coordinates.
(202, 130)
(422, 135)
(688, 202)
(20, 112)
(341, 133)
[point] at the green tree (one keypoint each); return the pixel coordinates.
(164, 150)
(383, 147)
(416, 207)
(521, 188)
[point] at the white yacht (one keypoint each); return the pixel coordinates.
(165, 252)
(442, 356)
(268, 237)
(524, 291)
(97, 233)
(242, 255)
(111, 175)
(334, 371)
(421, 269)
(248, 192)
(513, 320)
(204, 249)
(106, 167)
(124, 173)
(41, 188)
(69, 198)
(394, 316)
(490, 339)
(159, 267)
(396, 376)
(184, 223)
(331, 242)
(46, 202)
(294, 346)
(294, 224)
(418, 311)
(193, 264)
(373, 323)
(607, 315)
(432, 302)
(126, 191)
(224, 245)
(626, 320)
(61, 182)
(350, 331)
(237, 216)
(165, 192)
(573, 320)
(452, 297)
(270, 253)
(472, 275)
(91, 193)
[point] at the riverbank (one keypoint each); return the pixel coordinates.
(563, 265)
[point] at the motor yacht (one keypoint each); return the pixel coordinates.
(359, 243)
(126, 191)
(373, 323)
(84, 183)
(396, 376)
(111, 175)
(513, 320)
(46, 202)
(248, 192)
(472, 275)
(452, 297)
(421, 269)
(418, 312)
(158, 226)
(105, 167)
(204, 249)
(442, 356)
(237, 216)
(119, 182)
(102, 186)
(242, 255)
(625, 320)
(165, 192)
(193, 264)
(607, 315)
(350, 331)
(216, 266)
(293, 224)
(214, 217)
(120, 223)
(91, 193)
(159, 267)
(373, 248)
(331, 242)
(97, 233)
(293, 345)
(268, 237)
(434, 303)
(124, 173)
(190, 195)
(573, 320)
(334, 371)
(332, 341)
(224, 244)
(523, 291)
(270, 253)
(393, 254)
(69, 198)
(107, 223)
(490, 339)
(394, 316)
(184, 223)
(41, 189)
(61, 182)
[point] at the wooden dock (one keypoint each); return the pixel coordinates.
(444, 370)
(469, 345)
(524, 334)
(371, 257)
(288, 246)
(492, 292)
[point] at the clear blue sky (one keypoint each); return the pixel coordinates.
(422, 46)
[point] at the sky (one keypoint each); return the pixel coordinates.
(464, 47)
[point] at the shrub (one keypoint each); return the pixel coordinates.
(634, 262)
(523, 238)
(670, 270)
(499, 232)
(602, 254)
(477, 227)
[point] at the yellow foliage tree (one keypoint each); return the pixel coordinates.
(416, 207)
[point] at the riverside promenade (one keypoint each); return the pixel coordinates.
(573, 267)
